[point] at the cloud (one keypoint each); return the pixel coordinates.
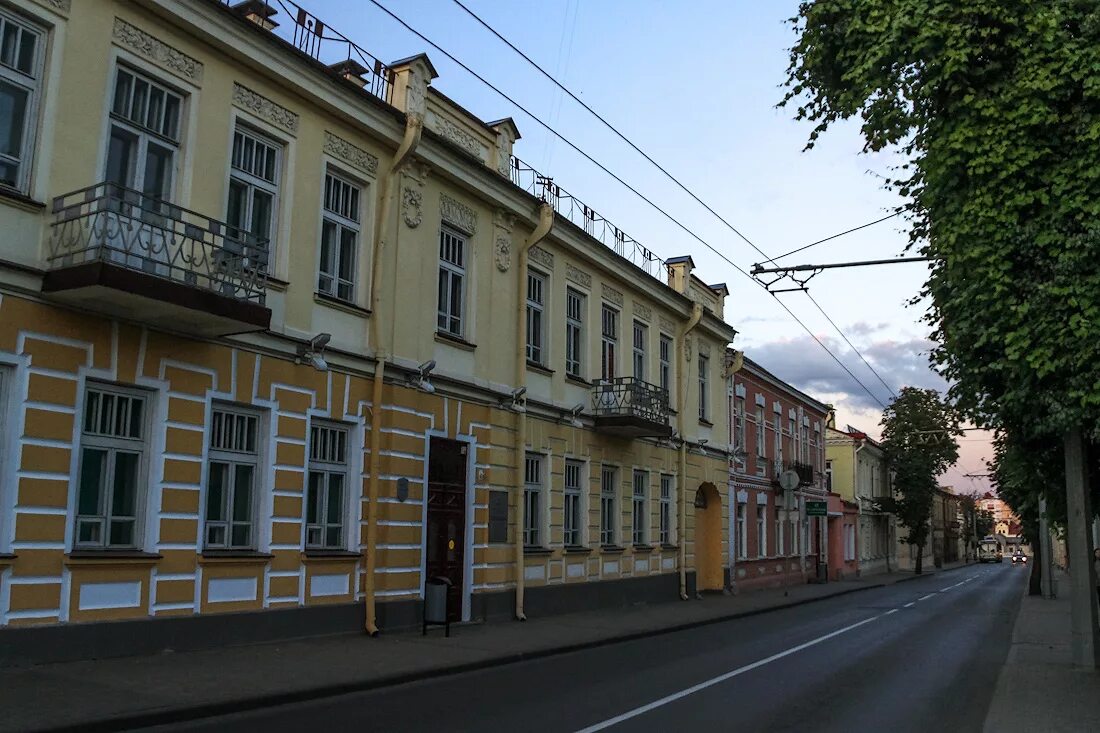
(807, 366)
(863, 328)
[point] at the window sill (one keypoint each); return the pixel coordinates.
(541, 369)
(579, 381)
(534, 550)
(340, 305)
(668, 546)
(577, 550)
(330, 555)
(111, 557)
(451, 340)
(642, 548)
(612, 549)
(233, 557)
(705, 422)
(21, 200)
(274, 283)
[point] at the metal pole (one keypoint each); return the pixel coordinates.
(758, 270)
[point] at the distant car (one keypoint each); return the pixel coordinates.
(989, 551)
(1019, 557)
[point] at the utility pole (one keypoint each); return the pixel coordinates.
(1085, 635)
(1046, 552)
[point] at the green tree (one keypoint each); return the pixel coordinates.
(918, 441)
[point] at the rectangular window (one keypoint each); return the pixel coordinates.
(641, 335)
(608, 506)
(536, 292)
(640, 508)
(761, 531)
(829, 476)
(804, 448)
(761, 443)
(112, 466)
(704, 394)
(778, 438)
(817, 452)
(609, 341)
(574, 332)
(532, 501)
(328, 487)
(340, 226)
(665, 529)
(144, 139)
(231, 479)
(792, 438)
(742, 537)
(739, 420)
(452, 274)
(21, 53)
(666, 362)
(574, 509)
(253, 184)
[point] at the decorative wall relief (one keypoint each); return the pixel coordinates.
(575, 274)
(412, 204)
(151, 48)
(613, 295)
(667, 326)
(63, 6)
(458, 214)
(643, 312)
(264, 108)
(687, 348)
(541, 256)
(502, 251)
(351, 154)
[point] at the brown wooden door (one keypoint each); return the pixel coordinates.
(446, 530)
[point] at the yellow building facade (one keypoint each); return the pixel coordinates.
(284, 328)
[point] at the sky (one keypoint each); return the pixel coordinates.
(697, 86)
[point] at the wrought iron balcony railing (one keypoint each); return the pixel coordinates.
(297, 27)
(805, 472)
(115, 225)
(630, 397)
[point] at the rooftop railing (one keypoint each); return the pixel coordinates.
(112, 224)
(585, 217)
(296, 26)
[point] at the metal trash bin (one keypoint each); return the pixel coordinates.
(436, 593)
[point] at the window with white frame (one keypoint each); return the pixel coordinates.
(452, 276)
(4, 379)
(640, 508)
(144, 139)
(761, 531)
(742, 537)
(828, 475)
(21, 54)
(112, 467)
(666, 513)
(739, 420)
(327, 497)
(231, 479)
(340, 227)
(641, 335)
(253, 183)
(574, 332)
(704, 393)
(778, 442)
(791, 437)
(536, 301)
(573, 521)
(816, 445)
(532, 500)
(608, 506)
(609, 341)
(761, 446)
(666, 362)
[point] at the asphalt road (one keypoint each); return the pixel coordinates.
(922, 655)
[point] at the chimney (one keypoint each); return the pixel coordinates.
(507, 134)
(679, 272)
(352, 71)
(259, 12)
(411, 78)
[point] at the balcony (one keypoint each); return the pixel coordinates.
(630, 408)
(121, 253)
(804, 470)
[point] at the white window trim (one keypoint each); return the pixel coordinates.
(667, 509)
(666, 360)
(742, 532)
(32, 84)
(536, 347)
(343, 223)
(143, 135)
(348, 520)
(454, 272)
(579, 494)
(575, 362)
(232, 459)
(761, 531)
(534, 529)
(704, 386)
(609, 343)
(611, 494)
(639, 349)
(639, 536)
(112, 445)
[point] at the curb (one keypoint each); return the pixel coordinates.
(256, 702)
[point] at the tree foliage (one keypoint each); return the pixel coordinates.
(918, 441)
(996, 105)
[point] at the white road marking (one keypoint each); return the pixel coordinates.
(892, 610)
(720, 678)
(925, 598)
(910, 605)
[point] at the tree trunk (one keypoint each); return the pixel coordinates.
(1035, 580)
(920, 557)
(1085, 637)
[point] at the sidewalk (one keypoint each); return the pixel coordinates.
(114, 694)
(1039, 689)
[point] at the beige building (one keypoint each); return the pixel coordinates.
(290, 338)
(858, 472)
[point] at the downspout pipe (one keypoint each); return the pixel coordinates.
(542, 229)
(681, 412)
(414, 125)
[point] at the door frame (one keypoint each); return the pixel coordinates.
(468, 529)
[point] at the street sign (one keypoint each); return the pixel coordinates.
(789, 480)
(816, 509)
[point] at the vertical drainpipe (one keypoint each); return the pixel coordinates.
(546, 223)
(681, 410)
(414, 125)
(859, 503)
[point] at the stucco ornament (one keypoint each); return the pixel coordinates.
(687, 348)
(153, 49)
(264, 108)
(350, 153)
(542, 257)
(458, 214)
(411, 207)
(503, 252)
(577, 275)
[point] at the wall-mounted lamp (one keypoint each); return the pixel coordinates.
(420, 379)
(516, 403)
(312, 352)
(574, 416)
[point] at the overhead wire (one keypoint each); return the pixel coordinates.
(847, 341)
(834, 236)
(632, 189)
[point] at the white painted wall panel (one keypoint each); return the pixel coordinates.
(224, 590)
(109, 595)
